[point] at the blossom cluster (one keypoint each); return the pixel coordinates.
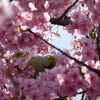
(18, 45)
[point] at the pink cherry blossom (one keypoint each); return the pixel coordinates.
(18, 45)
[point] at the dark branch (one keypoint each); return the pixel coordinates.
(56, 21)
(11, 0)
(66, 11)
(84, 91)
(82, 96)
(63, 98)
(98, 42)
(60, 20)
(67, 55)
(60, 98)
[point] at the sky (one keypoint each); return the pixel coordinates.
(64, 41)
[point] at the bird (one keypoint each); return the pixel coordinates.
(40, 63)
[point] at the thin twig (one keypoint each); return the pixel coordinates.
(66, 11)
(84, 91)
(98, 42)
(60, 20)
(63, 98)
(82, 96)
(67, 55)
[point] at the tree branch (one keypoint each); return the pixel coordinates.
(60, 98)
(67, 55)
(98, 42)
(11, 0)
(82, 96)
(84, 91)
(66, 11)
(60, 20)
(63, 22)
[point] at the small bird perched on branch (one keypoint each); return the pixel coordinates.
(40, 63)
